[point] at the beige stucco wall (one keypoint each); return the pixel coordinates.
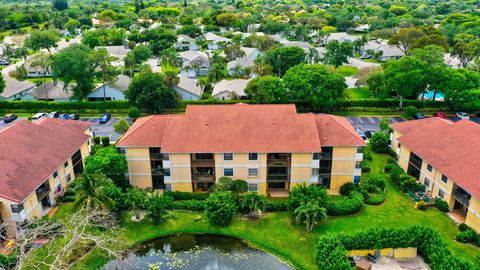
(473, 215)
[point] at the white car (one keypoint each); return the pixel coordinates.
(39, 116)
(462, 115)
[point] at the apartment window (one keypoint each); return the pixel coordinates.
(315, 171)
(316, 156)
(228, 172)
(165, 156)
(252, 172)
(426, 182)
(65, 164)
(359, 150)
(228, 156)
(252, 156)
(58, 189)
(166, 172)
(441, 194)
(122, 150)
(16, 208)
(69, 178)
(358, 164)
(253, 187)
(168, 187)
(429, 167)
(444, 178)
(55, 174)
(204, 156)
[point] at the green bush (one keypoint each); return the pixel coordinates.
(374, 183)
(133, 112)
(346, 188)
(463, 227)
(240, 186)
(7, 261)
(191, 205)
(179, 195)
(366, 166)
(391, 161)
(375, 199)
(96, 140)
(106, 141)
(157, 206)
(468, 236)
(252, 202)
(275, 205)
(411, 111)
(303, 194)
(379, 142)
(331, 249)
(221, 208)
(68, 196)
(367, 156)
(441, 205)
(347, 206)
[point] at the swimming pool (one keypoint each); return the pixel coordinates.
(438, 96)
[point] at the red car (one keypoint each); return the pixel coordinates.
(439, 114)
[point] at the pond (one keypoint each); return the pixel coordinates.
(196, 251)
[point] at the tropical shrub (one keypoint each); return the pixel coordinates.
(133, 112)
(441, 205)
(191, 205)
(309, 213)
(346, 188)
(411, 111)
(157, 206)
(106, 141)
(374, 183)
(253, 203)
(304, 194)
(239, 186)
(180, 195)
(221, 208)
(379, 142)
(347, 206)
(375, 199)
(274, 205)
(96, 140)
(467, 236)
(463, 227)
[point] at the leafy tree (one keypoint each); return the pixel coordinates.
(121, 126)
(90, 191)
(159, 39)
(133, 112)
(224, 184)
(107, 15)
(226, 19)
(304, 194)
(376, 85)
(103, 37)
(60, 4)
(104, 70)
(157, 206)
(385, 125)
(310, 213)
(315, 85)
(42, 60)
(283, 58)
(129, 63)
(261, 66)
(71, 25)
(170, 72)
(45, 39)
(429, 40)
(379, 142)
(253, 203)
(74, 65)
(149, 90)
(239, 186)
(141, 53)
(466, 48)
(267, 89)
(337, 53)
(220, 208)
(263, 43)
(233, 52)
(110, 162)
(405, 77)
(192, 31)
(406, 38)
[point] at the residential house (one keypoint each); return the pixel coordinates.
(111, 91)
(445, 157)
(188, 88)
(363, 28)
(38, 160)
(382, 49)
(215, 41)
(240, 63)
(120, 52)
(230, 89)
(52, 91)
(195, 63)
(185, 42)
(14, 89)
(272, 147)
(36, 71)
(342, 37)
(250, 53)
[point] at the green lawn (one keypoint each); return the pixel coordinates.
(357, 93)
(275, 232)
(345, 71)
(372, 61)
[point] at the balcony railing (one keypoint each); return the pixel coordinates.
(42, 192)
(462, 196)
(203, 178)
(278, 162)
(203, 163)
(159, 156)
(278, 177)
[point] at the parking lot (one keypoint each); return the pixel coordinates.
(370, 123)
(97, 128)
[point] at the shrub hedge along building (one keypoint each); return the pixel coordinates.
(272, 147)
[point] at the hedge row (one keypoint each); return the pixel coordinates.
(179, 195)
(331, 249)
(122, 106)
(346, 206)
(199, 204)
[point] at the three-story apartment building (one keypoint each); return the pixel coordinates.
(272, 147)
(445, 157)
(37, 161)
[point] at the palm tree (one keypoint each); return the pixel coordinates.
(309, 214)
(129, 63)
(171, 56)
(215, 58)
(312, 56)
(247, 72)
(237, 71)
(42, 61)
(216, 74)
(171, 74)
(90, 191)
(203, 83)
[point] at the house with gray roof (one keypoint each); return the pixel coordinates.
(188, 88)
(111, 91)
(241, 63)
(52, 91)
(185, 42)
(230, 89)
(381, 48)
(15, 89)
(195, 63)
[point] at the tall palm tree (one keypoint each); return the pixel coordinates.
(203, 83)
(90, 192)
(42, 60)
(171, 74)
(216, 73)
(247, 72)
(312, 56)
(237, 71)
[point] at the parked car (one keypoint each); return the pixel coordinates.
(54, 115)
(105, 118)
(361, 133)
(39, 116)
(419, 115)
(64, 116)
(4, 61)
(368, 134)
(74, 117)
(463, 115)
(439, 114)
(9, 118)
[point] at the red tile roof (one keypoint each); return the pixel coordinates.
(240, 128)
(407, 126)
(31, 152)
(452, 148)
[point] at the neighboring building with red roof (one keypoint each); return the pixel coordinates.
(37, 161)
(272, 147)
(445, 157)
